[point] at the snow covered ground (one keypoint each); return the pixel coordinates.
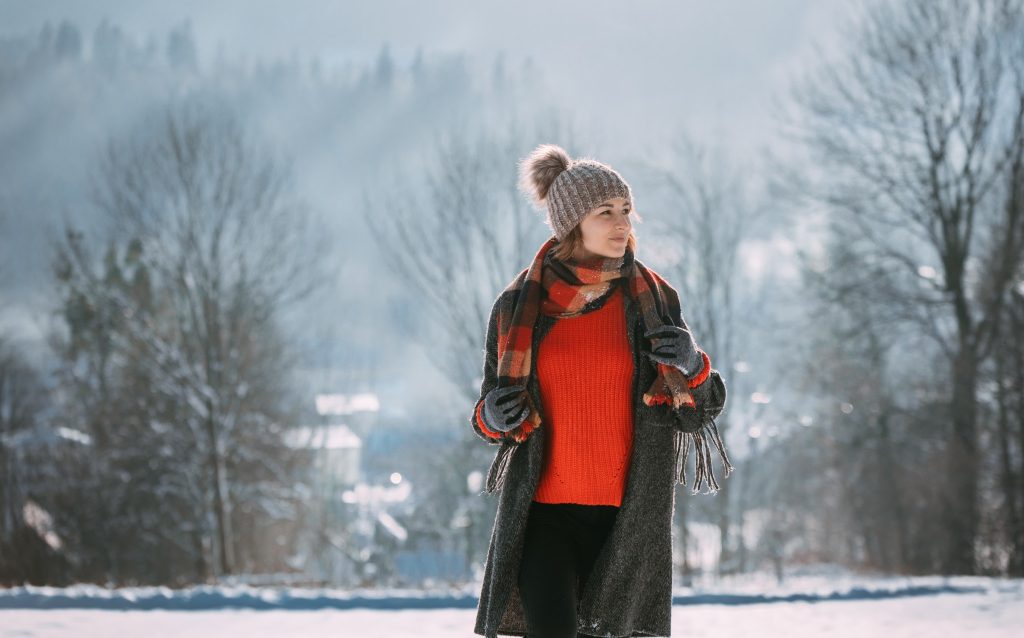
(890, 607)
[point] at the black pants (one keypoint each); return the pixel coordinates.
(562, 542)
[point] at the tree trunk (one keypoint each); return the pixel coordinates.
(8, 515)
(1016, 568)
(1007, 476)
(960, 507)
(893, 502)
(223, 556)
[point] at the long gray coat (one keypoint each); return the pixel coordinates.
(629, 591)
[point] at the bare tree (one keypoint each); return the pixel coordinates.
(215, 245)
(871, 463)
(456, 238)
(711, 214)
(458, 235)
(913, 134)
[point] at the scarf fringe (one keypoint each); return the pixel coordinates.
(704, 472)
(499, 467)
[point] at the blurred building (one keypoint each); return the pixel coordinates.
(358, 411)
(334, 454)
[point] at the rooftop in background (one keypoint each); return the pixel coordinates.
(346, 404)
(331, 437)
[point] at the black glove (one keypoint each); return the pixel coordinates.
(505, 408)
(674, 346)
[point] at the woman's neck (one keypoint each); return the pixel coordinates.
(582, 254)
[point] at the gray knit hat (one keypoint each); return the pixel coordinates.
(569, 188)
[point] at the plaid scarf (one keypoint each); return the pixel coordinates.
(562, 289)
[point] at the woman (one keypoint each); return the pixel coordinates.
(594, 388)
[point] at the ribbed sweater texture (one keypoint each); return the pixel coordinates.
(585, 372)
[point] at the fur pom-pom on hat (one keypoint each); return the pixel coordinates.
(538, 170)
(568, 188)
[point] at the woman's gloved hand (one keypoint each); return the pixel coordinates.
(505, 408)
(674, 346)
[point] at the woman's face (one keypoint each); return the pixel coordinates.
(605, 229)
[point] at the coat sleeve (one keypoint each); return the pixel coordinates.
(706, 386)
(490, 378)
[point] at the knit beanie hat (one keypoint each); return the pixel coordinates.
(569, 188)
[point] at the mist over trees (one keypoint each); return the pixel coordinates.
(206, 246)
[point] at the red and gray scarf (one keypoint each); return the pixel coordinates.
(562, 289)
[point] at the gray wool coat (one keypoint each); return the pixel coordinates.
(629, 591)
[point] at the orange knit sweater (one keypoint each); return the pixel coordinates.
(585, 372)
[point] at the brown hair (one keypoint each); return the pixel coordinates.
(565, 248)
